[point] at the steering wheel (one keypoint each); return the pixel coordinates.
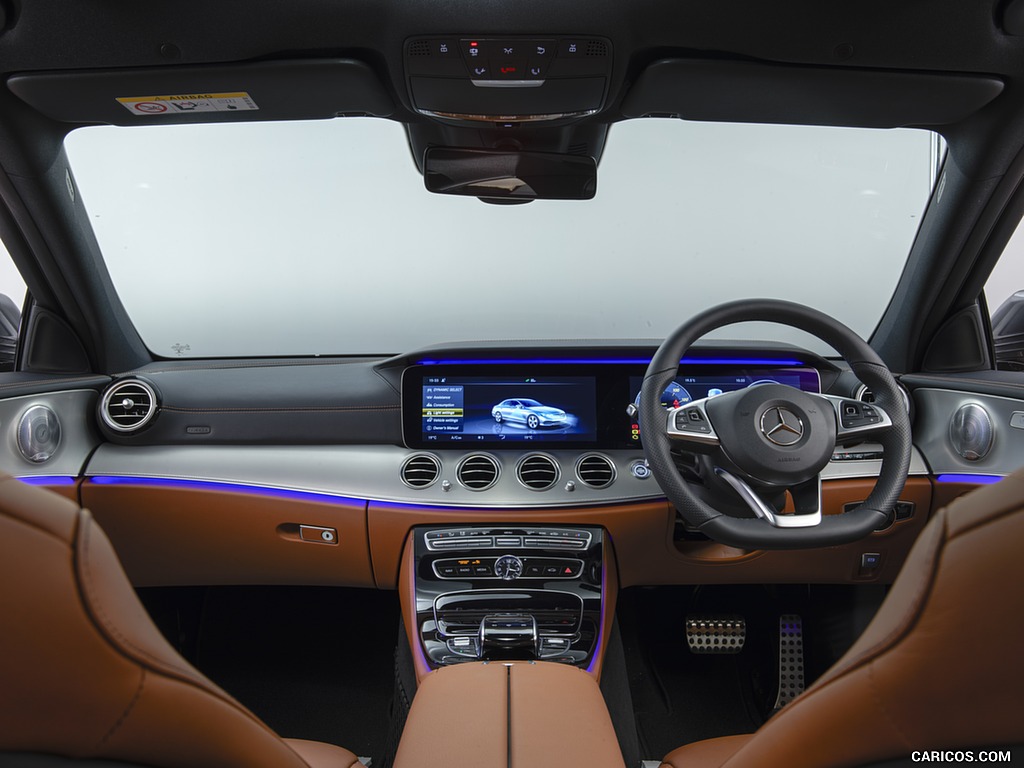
(754, 444)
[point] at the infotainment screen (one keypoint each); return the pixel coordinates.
(580, 404)
(501, 409)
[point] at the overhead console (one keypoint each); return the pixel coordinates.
(467, 78)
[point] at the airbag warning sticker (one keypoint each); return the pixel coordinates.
(188, 102)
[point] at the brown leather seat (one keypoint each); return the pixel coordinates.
(84, 673)
(939, 668)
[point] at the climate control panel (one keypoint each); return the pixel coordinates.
(509, 592)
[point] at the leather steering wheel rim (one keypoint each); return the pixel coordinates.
(758, 532)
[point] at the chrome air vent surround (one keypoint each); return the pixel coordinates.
(537, 471)
(595, 470)
(421, 470)
(128, 405)
(478, 471)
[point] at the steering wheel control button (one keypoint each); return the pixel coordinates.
(641, 470)
(318, 534)
(855, 414)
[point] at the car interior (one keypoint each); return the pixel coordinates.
(413, 384)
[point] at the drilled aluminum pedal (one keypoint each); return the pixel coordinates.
(715, 634)
(791, 659)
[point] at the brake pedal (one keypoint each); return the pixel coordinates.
(715, 634)
(791, 659)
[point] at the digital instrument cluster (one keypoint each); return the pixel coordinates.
(580, 404)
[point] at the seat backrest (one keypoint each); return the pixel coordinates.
(940, 667)
(84, 672)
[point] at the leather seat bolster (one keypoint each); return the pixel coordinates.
(317, 754)
(711, 753)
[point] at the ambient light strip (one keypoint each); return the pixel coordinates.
(975, 479)
(613, 361)
(48, 480)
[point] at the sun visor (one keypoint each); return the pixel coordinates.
(268, 90)
(749, 92)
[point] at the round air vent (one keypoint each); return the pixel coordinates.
(865, 395)
(128, 405)
(970, 431)
(478, 472)
(596, 470)
(420, 470)
(537, 471)
(38, 434)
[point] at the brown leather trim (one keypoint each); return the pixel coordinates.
(508, 715)
(646, 553)
(407, 601)
(317, 754)
(183, 536)
(937, 665)
(710, 753)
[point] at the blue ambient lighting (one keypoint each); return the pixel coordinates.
(976, 479)
(614, 361)
(47, 480)
(210, 485)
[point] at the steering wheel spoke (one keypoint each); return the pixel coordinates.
(806, 498)
(856, 420)
(689, 424)
(765, 439)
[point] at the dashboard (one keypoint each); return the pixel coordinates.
(315, 471)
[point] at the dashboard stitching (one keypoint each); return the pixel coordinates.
(61, 381)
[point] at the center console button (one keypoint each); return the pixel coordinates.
(508, 541)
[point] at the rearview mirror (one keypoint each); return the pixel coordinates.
(509, 176)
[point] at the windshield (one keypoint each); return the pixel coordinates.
(318, 238)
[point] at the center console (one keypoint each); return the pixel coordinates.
(508, 592)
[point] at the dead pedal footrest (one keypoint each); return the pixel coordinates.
(715, 634)
(791, 659)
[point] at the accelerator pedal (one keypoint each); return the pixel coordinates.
(715, 634)
(791, 659)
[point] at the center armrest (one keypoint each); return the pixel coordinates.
(508, 715)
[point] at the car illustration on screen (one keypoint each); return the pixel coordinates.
(529, 412)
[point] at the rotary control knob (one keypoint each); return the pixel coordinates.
(508, 567)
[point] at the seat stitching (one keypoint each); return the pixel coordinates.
(890, 717)
(101, 615)
(128, 710)
(184, 675)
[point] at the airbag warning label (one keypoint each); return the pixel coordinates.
(188, 102)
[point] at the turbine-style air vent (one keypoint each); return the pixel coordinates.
(596, 470)
(420, 470)
(537, 471)
(478, 472)
(128, 405)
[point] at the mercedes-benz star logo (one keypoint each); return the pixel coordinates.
(781, 426)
